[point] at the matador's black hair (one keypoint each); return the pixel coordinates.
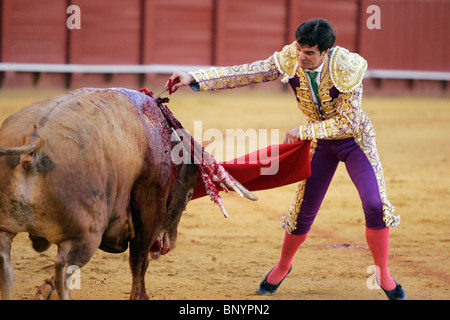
(316, 31)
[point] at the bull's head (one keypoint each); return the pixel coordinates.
(205, 165)
(177, 203)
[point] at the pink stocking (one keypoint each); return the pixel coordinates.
(291, 244)
(378, 241)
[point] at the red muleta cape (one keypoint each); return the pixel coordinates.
(293, 166)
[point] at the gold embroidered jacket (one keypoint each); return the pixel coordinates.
(339, 116)
(340, 88)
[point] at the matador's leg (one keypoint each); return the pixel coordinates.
(368, 145)
(310, 192)
(367, 175)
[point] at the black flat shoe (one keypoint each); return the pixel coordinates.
(395, 294)
(269, 289)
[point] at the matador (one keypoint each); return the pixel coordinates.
(327, 84)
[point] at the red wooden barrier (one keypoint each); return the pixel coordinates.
(413, 35)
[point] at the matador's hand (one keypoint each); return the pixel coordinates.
(292, 136)
(184, 78)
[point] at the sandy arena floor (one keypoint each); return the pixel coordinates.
(222, 259)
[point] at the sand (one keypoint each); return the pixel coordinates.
(219, 258)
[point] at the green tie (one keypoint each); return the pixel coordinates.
(312, 76)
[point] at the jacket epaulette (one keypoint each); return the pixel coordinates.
(287, 61)
(346, 69)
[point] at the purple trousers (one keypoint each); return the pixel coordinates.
(324, 163)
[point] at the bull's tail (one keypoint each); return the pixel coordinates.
(18, 150)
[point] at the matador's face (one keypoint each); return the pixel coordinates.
(310, 57)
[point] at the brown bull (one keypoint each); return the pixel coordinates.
(88, 170)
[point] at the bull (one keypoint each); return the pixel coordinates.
(85, 171)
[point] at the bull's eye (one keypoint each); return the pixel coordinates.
(189, 194)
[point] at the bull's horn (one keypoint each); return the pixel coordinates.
(246, 192)
(18, 150)
(240, 189)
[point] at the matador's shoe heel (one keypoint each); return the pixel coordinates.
(395, 294)
(269, 289)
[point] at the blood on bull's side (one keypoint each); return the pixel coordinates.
(92, 169)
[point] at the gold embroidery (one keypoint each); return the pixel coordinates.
(287, 61)
(347, 69)
(236, 76)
